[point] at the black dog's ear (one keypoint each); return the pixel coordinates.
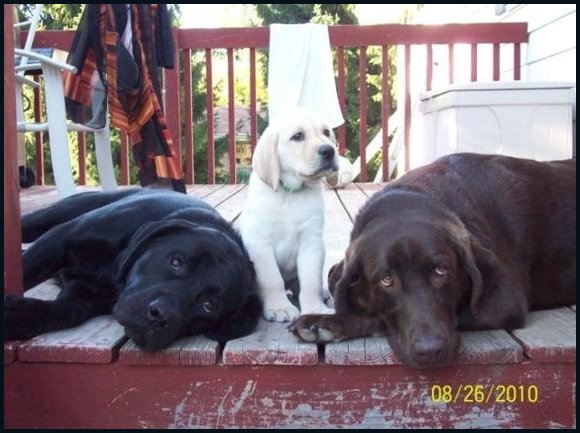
(142, 238)
(242, 322)
(475, 259)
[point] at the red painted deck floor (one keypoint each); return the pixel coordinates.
(93, 377)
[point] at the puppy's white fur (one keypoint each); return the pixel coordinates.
(282, 223)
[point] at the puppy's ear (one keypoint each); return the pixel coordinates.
(475, 259)
(142, 238)
(242, 322)
(266, 162)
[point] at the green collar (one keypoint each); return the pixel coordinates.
(285, 188)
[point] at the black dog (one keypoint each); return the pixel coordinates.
(167, 266)
(467, 242)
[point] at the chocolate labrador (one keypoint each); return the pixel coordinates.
(468, 242)
(165, 264)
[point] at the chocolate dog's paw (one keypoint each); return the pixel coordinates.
(317, 328)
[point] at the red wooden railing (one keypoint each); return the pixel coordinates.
(341, 37)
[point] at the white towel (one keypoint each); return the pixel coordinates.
(300, 71)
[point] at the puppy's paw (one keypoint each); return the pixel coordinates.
(318, 328)
(280, 312)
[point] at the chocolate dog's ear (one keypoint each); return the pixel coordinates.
(334, 275)
(143, 237)
(475, 259)
(343, 278)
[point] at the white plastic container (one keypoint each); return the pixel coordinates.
(516, 118)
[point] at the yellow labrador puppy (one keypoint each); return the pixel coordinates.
(282, 222)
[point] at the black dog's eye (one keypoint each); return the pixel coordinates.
(299, 136)
(326, 132)
(387, 281)
(175, 262)
(207, 306)
(440, 271)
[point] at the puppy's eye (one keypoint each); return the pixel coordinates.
(440, 271)
(207, 306)
(175, 262)
(326, 132)
(299, 136)
(387, 281)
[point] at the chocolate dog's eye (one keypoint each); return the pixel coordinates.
(207, 306)
(387, 281)
(299, 136)
(440, 271)
(175, 262)
(326, 132)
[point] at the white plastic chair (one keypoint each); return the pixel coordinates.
(56, 123)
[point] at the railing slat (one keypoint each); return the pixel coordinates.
(363, 104)
(496, 62)
(407, 117)
(231, 119)
(209, 109)
(253, 111)
(517, 61)
(124, 158)
(188, 111)
(38, 136)
(341, 99)
(473, 62)
(172, 105)
(81, 139)
(385, 111)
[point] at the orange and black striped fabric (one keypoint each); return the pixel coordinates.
(127, 81)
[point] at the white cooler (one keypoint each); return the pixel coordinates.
(516, 118)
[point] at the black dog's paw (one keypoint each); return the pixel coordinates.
(318, 328)
(22, 317)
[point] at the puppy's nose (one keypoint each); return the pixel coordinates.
(157, 313)
(428, 349)
(326, 151)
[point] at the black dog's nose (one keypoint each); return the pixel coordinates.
(326, 151)
(428, 349)
(157, 313)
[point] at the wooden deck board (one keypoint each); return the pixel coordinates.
(549, 336)
(189, 351)
(352, 199)
(337, 228)
(95, 341)
(232, 207)
(369, 188)
(270, 344)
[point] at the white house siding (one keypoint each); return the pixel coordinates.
(550, 54)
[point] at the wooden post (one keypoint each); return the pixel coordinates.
(12, 236)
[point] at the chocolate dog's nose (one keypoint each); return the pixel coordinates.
(428, 349)
(326, 151)
(157, 313)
